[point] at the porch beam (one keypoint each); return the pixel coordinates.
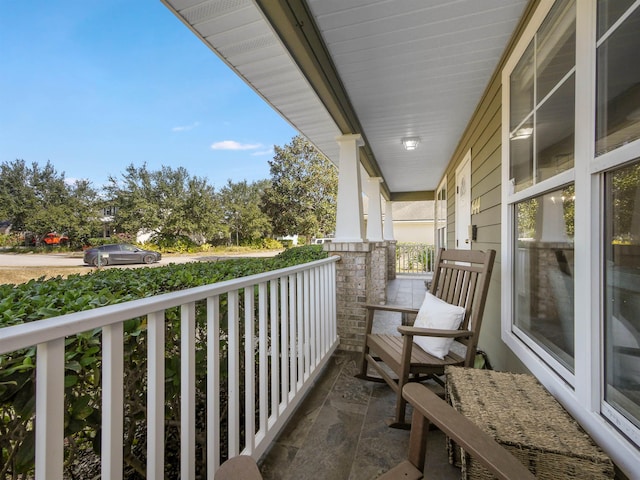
(295, 26)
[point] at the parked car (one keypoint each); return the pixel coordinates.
(120, 254)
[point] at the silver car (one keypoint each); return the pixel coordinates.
(119, 254)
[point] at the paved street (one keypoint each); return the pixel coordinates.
(75, 259)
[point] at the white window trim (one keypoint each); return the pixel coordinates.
(442, 185)
(585, 400)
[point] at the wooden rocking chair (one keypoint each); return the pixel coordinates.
(429, 408)
(461, 278)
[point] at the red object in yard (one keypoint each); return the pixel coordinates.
(52, 238)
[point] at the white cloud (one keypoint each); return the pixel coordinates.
(233, 145)
(262, 152)
(184, 128)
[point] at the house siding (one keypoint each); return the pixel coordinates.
(483, 137)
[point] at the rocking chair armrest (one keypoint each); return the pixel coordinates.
(433, 332)
(391, 308)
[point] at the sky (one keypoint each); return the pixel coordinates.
(96, 85)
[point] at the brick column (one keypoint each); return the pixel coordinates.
(360, 279)
(391, 259)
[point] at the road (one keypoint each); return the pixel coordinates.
(75, 260)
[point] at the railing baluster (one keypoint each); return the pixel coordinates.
(188, 390)
(155, 396)
(311, 296)
(307, 326)
(300, 330)
(284, 322)
(112, 401)
(249, 371)
(213, 385)
(50, 410)
(275, 349)
(293, 335)
(263, 332)
(233, 376)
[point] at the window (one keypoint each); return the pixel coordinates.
(541, 146)
(544, 266)
(571, 212)
(622, 292)
(542, 89)
(618, 80)
(618, 126)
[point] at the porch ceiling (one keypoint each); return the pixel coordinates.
(387, 69)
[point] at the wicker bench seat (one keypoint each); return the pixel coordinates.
(523, 417)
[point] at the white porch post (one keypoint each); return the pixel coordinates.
(349, 220)
(374, 217)
(388, 221)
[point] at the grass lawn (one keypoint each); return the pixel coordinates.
(16, 275)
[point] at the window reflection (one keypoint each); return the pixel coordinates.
(555, 132)
(544, 272)
(622, 298)
(618, 84)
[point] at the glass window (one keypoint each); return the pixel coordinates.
(521, 152)
(622, 292)
(555, 129)
(609, 11)
(542, 101)
(521, 88)
(555, 48)
(618, 87)
(544, 269)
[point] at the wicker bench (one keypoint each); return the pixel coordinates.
(524, 418)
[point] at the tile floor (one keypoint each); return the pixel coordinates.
(339, 430)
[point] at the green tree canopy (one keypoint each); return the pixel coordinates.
(242, 213)
(39, 200)
(303, 191)
(167, 202)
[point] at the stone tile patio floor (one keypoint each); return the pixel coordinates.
(339, 431)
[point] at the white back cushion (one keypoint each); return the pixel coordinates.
(437, 314)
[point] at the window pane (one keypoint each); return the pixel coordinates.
(543, 269)
(521, 88)
(609, 11)
(521, 152)
(555, 47)
(555, 128)
(622, 301)
(618, 81)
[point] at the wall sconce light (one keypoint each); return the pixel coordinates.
(410, 143)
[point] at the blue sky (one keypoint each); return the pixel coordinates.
(94, 85)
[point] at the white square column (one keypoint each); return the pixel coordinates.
(349, 218)
(388, 221)
(374, 215)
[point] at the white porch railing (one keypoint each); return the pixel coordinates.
(292, 335)
(414, 258)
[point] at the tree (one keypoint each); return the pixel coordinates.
(18, 199)
(167, 202)
(242, 213)
(40, 200)
(303, 191)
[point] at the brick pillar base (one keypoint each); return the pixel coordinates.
(361, 277)
(391, 259)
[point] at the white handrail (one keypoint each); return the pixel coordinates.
(293, 328)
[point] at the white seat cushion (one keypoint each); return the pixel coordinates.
(437, 314)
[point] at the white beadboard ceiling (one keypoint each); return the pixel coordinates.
(408, 67)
